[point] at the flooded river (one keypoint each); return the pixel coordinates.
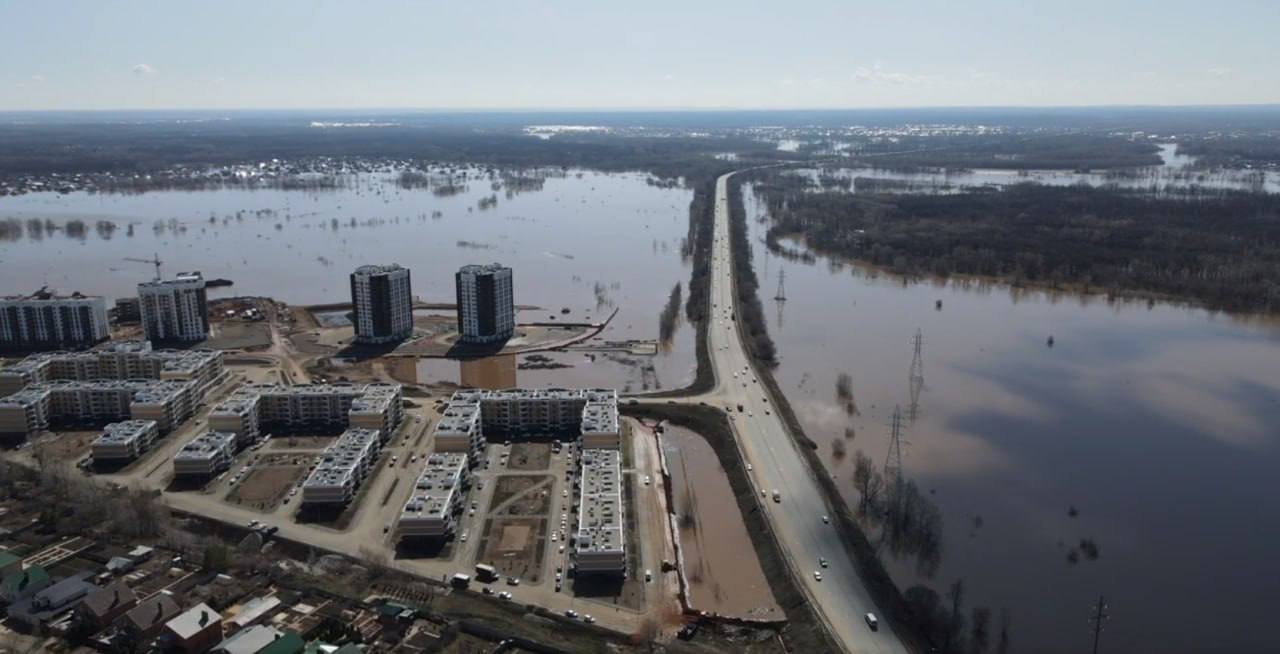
(1150, 431)
(587, 242)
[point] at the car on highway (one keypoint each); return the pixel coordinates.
(822, 561)
(872, 621)
(777, 497)
(648, 575)
(749, 467)
(817, 575)
(826, 520)
(647, 480)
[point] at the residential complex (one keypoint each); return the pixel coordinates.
(43, 320)
(175, 309)
(599, 543)
(115, 360)
(437, 498)
(42, 406)
(382, 301)
(343, 468)
(125, 441)
(486, 303)
(591, 414)
(206, 455)
(307, 407)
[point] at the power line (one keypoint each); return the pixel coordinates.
(1099, 616)
(915, 378)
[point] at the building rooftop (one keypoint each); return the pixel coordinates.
(125, 431)
(479, 268)
(193, 621)
(152, 611)
(440, 479)
(342, 460)
(206, 446)
(181, 279)
(46, 295)
(378, 269)
(600, 504)
(104, 600)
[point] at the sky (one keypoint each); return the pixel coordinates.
(647, 54)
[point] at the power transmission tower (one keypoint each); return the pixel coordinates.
(915, 379)
(1099, 616)
(782, 292)
(893, 458)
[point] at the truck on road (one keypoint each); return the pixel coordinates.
(486, 572)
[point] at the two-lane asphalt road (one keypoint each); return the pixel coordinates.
(776, 464)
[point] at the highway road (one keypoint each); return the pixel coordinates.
(776, 463)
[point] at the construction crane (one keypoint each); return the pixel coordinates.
(154, 260)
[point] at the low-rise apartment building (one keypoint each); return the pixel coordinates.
(437, 497)
(308, 407)
(205, 455)
(599, 544)
(125, 441)
(115, 360)
(343, 468)
(79, 403)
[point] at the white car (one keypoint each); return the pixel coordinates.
(817, 575)
(504, 595)
(570, 613)
(872, 621)
(826, 520)
(647, 480)
(822, 561)
(588, 619)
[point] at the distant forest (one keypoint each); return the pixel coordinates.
(1016, 151)
(1220, 250)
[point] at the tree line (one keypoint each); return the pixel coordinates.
(1221, 250)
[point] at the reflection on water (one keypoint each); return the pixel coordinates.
(1155, 425)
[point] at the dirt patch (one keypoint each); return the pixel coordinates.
(65, 445)
(235, 335)
(300, 443)
(512, 485)
(265, 487)
(515, 546)
(529, 456)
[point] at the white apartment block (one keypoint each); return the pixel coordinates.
(437, 498)
(382, 302)
(45, 320)
(205, 455)
(175, 309)
(115, 360)
(56, 403)
(343, 468)
(125, 441)
(255, 408)
(486, 303)
(591, 414)
(599, 542)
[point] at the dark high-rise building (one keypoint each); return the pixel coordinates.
(486, 303)
(383, 303)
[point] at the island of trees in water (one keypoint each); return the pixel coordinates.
(1219, 249)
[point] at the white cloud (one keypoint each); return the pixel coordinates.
(1219, 71)
(877, 75)
(144, 70)
(37, 78)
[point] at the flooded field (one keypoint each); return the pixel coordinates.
(1075, 448)
(1177, 172)
(721, 567)
(581, 244)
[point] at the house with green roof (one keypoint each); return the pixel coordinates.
(23, 584)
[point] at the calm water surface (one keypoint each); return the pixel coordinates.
(587, 241)
(1160, 425)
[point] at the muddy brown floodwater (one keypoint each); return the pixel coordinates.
(720, 565)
